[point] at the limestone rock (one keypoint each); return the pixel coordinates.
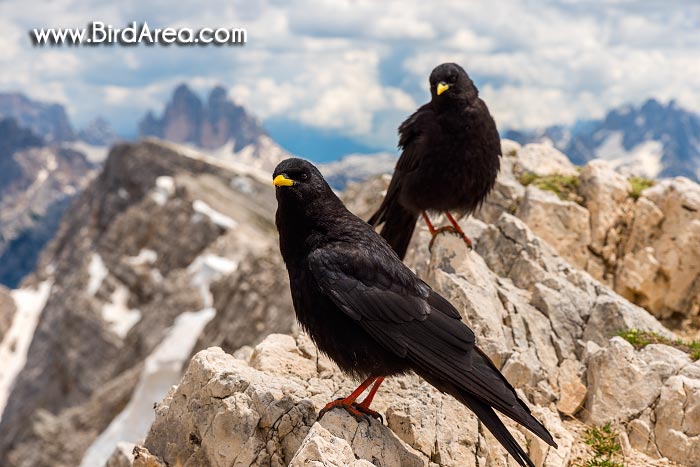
(143, 458)
(322, 448)
(661, 265)
(677, 429)
(123, 456)
(565, 225)
(542, 159)
(642, 375)
(263, 412)
(572, 391)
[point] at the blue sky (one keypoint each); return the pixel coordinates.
(354, 69)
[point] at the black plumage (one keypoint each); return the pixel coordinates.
(373, 316)
(449, 160)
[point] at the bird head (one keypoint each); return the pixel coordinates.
(297, 179)
(450, 83)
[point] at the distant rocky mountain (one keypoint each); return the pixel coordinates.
(162, 242)
(218, 125)
(36, 184)
(98, 133)
(653, 140)
(13, 138)
(45, 119)
(357, 168)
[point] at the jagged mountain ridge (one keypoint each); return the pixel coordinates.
(652, 140)
(132, 264)
(45, 119)
(208, 125)
(37, 182)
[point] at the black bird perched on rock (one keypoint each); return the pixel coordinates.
(449, 162)
(373, 316)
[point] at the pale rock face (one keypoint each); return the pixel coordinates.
(660, 403)
(572, 391)
(678, 420)
(642, 374)
(542, 159)
(322, 448)
(606, 198)
(565, 225)
(644, 249)
(664, 258)
(263, 412)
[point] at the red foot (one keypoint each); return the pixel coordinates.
(454, 229)
(357, 410)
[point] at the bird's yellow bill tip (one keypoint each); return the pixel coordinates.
(442, 87)
(281, 180)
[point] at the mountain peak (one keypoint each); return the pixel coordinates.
(652, 140)
(209, 125)
(46, 119)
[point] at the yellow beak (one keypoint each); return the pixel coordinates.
(281, 180)
(442, 87)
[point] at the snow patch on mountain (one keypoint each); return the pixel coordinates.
(93, 153)
(164, 189)
(218, 218)
(14, 346)
(643, 159)
(117, 313)
(145, 256)
(97, 272)
(206, 269)
(357, 168)
(162, 369)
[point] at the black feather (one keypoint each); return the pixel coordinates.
(449, 160)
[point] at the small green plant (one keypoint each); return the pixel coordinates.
(639, 184)
(640, 339)
(606, 446)
(564, 186)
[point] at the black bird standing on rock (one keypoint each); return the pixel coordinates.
(449, 162)
(373, 316)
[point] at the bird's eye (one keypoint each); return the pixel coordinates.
(303, 177)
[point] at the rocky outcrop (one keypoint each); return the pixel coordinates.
(659, 407)
(639, 243)
(537, 317)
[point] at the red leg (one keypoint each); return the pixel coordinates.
(431, 229)
(347, 403)
(368, 400)
(459, 230)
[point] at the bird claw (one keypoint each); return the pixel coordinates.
(367, 412)
(452, 230)
(358, 411)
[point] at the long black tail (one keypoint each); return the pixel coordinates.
(488, 417)
(398, 225)
(483, 388)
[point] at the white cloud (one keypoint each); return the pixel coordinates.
(359, 66)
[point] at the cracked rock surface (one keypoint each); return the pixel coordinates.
(546, 324)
